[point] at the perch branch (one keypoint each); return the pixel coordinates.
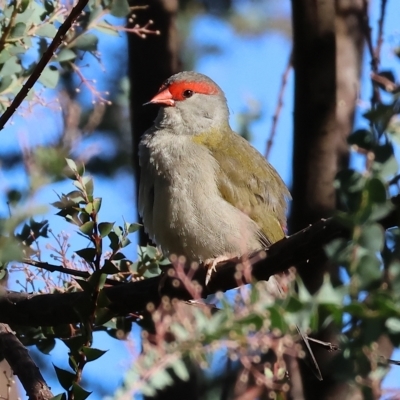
(61, 308)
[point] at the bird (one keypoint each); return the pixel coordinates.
(205, 192)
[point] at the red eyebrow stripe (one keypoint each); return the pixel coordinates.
(177, 88)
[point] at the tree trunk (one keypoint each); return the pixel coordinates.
(151, 61)
(328, 45)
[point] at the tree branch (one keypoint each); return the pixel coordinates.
(63, 308)
(22, 365)
(48, 54)
(59, 308)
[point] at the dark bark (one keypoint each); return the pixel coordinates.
(315, 153)
(22, 365)
(59, 308)
(328, 43)
(151, 61)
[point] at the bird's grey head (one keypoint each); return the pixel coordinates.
(192, 102)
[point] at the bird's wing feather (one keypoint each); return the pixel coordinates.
(248, 182)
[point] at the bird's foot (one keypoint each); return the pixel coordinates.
(211, 264)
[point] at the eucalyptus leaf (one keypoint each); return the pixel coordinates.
(393, 324)
(372, 237)
(79, 392)
(362, 138)
(120, 8)
(46, 30)
(49, 77)
(11, 66)
(66, 55)
(64, 377)
(18, 30)
(86, 42)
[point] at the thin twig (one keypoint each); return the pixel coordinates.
(63, 270)
(48, 54)
(379, 41)
(22, 365)
(10, 25)
(375, 98)
(279, 105)
(328, 345)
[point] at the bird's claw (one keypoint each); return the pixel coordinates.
(211, 265)
(210, 270)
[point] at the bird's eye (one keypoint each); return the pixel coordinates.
(187, 94)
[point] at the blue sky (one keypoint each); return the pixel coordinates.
(249, 68)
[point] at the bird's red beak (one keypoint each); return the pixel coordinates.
(163, 97)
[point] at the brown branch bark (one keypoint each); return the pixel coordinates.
(22, 365)
(48, 54)
(328, 41)
(61, 308)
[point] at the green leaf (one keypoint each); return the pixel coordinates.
(89, 208)
(376, 190)
(23, 5)
(92, 354)
(64, 377)
(372, 237)
(103, 300)
(18, 30)
(46, 345)
(46, 30)
(61, 396)
(97, 204)
(49, 77)
(120, 8)
(87, 228)
(107, 28)
(385, 162)
(132, 228)
(362, 138)
(88, 182)
(393, 324)
(79, 392)
(75, 343)
(65, 55)
(114, 241)
(97, 279)
(88, 254)
(180, 370)
(160, 379)
(109, 268)
(5, 83)
(381, 115)
(276, 319)
(87, 42)
(85, 285)
(105, 228)
(125, 242)
(11, 66)
(103, 315)
(150, 251)
(368, 270)
(4, 56)
(327, 294)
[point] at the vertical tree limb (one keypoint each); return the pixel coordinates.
(151, 61)
(22, 365)
(328, 42)
(316, 158)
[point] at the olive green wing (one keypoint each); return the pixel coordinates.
(247, 181)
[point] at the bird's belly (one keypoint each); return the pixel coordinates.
(190, 218)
